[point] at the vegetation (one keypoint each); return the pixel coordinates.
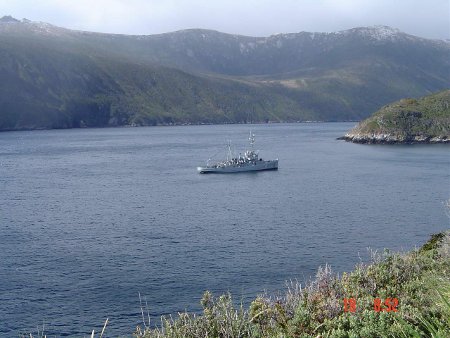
(426, 119)
(58, 78)
(419, 280)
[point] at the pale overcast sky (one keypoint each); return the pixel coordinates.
(426, 18)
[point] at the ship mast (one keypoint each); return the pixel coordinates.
(230, 154)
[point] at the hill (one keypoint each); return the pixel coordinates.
(56, 82)
(425, 120)
(54, 77)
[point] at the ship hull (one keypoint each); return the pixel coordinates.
(258, 166)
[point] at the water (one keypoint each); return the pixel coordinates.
(89, 218)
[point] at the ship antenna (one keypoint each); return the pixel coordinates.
(251, 138)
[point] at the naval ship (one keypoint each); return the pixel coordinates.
(250, 161)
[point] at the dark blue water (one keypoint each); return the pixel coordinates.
(89, 218)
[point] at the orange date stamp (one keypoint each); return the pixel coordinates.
(388, 305)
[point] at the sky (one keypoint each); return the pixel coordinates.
(425, 18)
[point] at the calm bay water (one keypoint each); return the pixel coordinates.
(89, 218)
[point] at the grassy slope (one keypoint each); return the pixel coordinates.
(420, 280)
(427, 117)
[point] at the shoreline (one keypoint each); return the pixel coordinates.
(390, 139)
(176, 125)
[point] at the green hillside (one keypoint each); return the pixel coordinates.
(423, 120)
(52, 88)
(53, 77)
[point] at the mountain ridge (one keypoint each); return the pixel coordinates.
(244, 45)
(374, 30)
